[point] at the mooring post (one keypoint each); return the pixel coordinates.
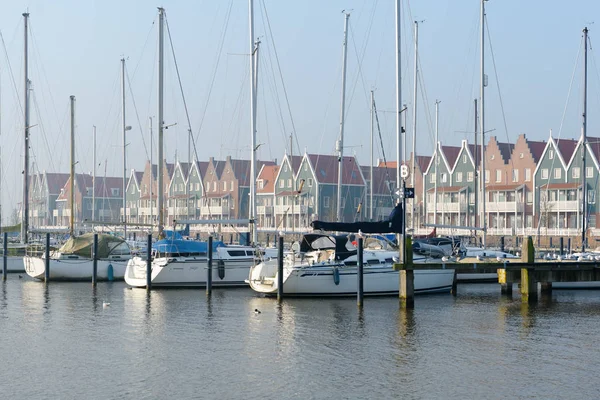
(280, 269)
(528, 281)
(209, 266)
(359, 274)
(561, 244)
(550, 246)
(4, 256)
(47, 269)
(407, 277)
(95, 260)
(568, 245)
(502, 243)
(267, 245)
(134, 236)
(149, 263)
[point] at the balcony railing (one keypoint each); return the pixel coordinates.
(288, 209)
(561, 205)
(504, 206)
(264, 210)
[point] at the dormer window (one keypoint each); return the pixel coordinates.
(551, 154)
(115, 191)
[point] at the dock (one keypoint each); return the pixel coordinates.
(527, 272)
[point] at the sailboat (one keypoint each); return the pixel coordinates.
(326, 264)
(74, 260)
(183, 263)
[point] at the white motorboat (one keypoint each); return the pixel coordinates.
(184, 263)
(326, 265)
(74, 262)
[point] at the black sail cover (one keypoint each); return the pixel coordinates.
(391, 225)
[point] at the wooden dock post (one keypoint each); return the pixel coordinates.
(47, 269)
(407, 277)
(454, 289)
(95, 260)
(561, 244)
(209, 266)
(4, 256)
(502, 243)
(528, 281)
(280, 269)
(359, 274)
(149, 263)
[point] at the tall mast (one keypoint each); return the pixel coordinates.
(25, 208)
(414, 117)
(124, 127)
(151, 180)
(72, 180)
(94, 181)
(371, 168)
(253, 83)
(398, 96)
(340, 142)
(482, 84)
(584, 132)
(476, 172)
(161, 122)
(437, 160)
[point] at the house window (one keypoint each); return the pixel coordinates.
(310, 182)
(145, 189)
(459, 177)
(261, 184)
(326, 201)
(281, 183)
(589, 172)
(527, 174)
(198, 186)
(498, 175)
(545, 173)
(529, 221)
(520, 155)
(591, 196)
(114, 191)
(343, 202)
(492, 156)
(471, 198)
(290, 183)
(529, 197)
(284, 167)
(557, 173)
(469, 177)
(444, 177)
(515, 175)
(464, 158)
(551, 154)
(432, 178)
(487, 175)
(576, 172)
(214, 186)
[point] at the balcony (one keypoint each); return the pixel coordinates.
(131, 212)
(214, 210)
(264, 210)
(560, 205)
(447, 207)
(504, 206)
(288, 209)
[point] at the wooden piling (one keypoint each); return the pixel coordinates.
(280, 269)
(407, 277)
(4, 256)
(454, 289)
(528, 281)
(502, 243)
(47, 269)
(359, 274)
(149, 263)
(95, 260)
(209, 266)
(561, 244)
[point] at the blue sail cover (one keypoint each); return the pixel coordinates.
(180, 246)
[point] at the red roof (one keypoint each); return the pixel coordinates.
(501, 188)
(444, 189)
(267, 174)
(326, 169)
(561, 186)
(241, 170)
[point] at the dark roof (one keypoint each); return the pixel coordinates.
(594, 144)
(506, 150)
(104, 185)
(380, 176)
(56, 181)
(219, 167)
(185, 169)
(326, 169)
(296, 161)
(451, 153)
(566, 148)
(202, 167)
(241, 170)
(476, 153)
(423, 162)
(139, 175)
(536, 148)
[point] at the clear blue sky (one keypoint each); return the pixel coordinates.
(75, 48)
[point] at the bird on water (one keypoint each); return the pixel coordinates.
(105, 304)
(256, 311)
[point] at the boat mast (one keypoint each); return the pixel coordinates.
(25, 213)
(124, 127)
(72, 180)
(414, 117)
(398, 97)
(94, 181)
(340, 142)
(476, 173)
(253, 82)
(151, 180)
(371, 168)
(482, 113)
(584, 132)
(161, 123)
(437, 160)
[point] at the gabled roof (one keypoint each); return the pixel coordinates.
(267, 174)
(104, 186)
(326, 169)
(423, 162)
(202, 167)
(138, 176)
(451, 154)
(170, 169)
(241, 170)
(536, 148)
(506, 150)
(185, 169)
(295, 161)
(566, 148)
(56, 181)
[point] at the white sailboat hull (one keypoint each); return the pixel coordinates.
(13, 264)
(79, 269)
(320, 280)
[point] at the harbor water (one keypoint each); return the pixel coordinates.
(61, 342)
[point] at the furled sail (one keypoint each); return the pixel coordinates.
(393, 224)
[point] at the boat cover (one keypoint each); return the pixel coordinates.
(181, 246)
(83, 245)
(391, 225)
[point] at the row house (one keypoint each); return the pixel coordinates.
(561, 182)
(441, 193)
(108, 200)
(44, 191)
(265, 195)
(383, 190)
(141, 196)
